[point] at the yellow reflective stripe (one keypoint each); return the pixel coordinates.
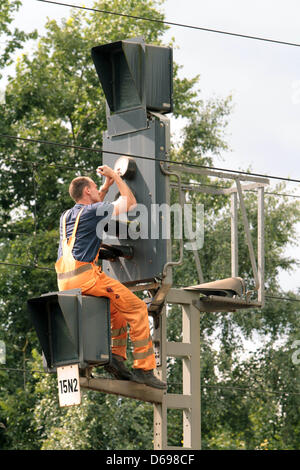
(76, 223)
(119, 331)
(142, 342)
(143, 355)
(75, 272)
(119, 341)
(64, 225)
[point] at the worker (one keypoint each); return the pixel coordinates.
(76, 267)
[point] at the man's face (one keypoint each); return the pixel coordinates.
(93, 192)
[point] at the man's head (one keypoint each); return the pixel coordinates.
(83, 190)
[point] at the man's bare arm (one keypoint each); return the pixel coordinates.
(126, 201)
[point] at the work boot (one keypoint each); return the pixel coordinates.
(147, 377)
(117, 368)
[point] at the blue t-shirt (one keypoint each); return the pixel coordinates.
(89, 233)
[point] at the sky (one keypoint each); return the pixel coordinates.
(263, 78)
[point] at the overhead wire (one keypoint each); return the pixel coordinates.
(53, 270)
(173, 162)
(195, 185)
(289, 299)
(192, 185)
(285, 393)
(27, 266)
(171, 23)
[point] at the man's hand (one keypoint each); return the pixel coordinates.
(106, 171)
(126, 201)
(109, 176)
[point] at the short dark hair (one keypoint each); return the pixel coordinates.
(77, 185)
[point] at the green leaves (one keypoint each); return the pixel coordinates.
(14, 38)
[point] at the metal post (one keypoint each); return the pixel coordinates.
(195, 252)
(261, 245)
(248, 234)
(234, 236)
(191, 377)
(160, 409)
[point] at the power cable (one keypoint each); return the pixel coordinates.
(251, 389)
(289, 299)
(174, 162)
(10, 232)
(53, 270)
(170, 23)
(15, 369)
(203, 386)
(26, 266)
(192, 185)
(201, 185)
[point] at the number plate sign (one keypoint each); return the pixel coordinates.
(68, 385)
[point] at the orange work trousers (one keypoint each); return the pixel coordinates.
(126, 308)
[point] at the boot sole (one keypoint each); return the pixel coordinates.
(152, 385)
(117, 375)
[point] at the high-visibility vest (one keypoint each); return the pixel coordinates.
(72, 274)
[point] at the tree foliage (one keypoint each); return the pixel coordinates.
(14, 38)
